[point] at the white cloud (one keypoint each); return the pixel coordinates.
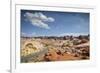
(73, 34)
(38, 19)
(28, 35)
(23, 33)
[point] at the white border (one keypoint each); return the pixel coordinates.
(32, 67)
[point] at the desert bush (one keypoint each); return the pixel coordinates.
(76, 42)
(67, 44)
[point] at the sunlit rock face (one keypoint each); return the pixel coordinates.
(30, 47)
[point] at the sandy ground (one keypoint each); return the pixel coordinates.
(44, 50)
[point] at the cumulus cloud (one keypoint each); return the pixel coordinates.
(28, 35)
(39, 19)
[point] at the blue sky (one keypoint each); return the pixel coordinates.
(49, 23)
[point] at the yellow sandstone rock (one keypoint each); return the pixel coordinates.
(31, 47)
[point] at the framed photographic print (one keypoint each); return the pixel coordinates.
(51, 37)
